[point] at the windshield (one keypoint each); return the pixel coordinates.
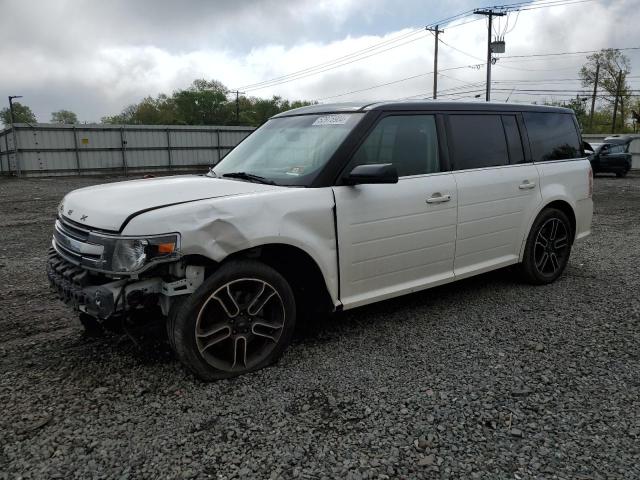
(288, 150)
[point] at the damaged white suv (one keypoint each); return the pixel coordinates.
(325, 208)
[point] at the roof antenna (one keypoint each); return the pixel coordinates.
(509, 96)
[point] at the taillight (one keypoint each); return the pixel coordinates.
(590, 182)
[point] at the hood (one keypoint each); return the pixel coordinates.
(109, 206)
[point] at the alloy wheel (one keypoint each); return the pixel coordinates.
(239, 324)
(551, 246)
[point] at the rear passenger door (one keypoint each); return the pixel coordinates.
(397, 238)
(498, 189)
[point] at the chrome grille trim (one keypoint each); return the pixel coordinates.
(73, 231)
(74, 244)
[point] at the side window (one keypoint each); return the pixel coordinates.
(410, 142)
(553, 136)
(477, 141)
(514, 141)
(616, 149)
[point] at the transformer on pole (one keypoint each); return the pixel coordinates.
(498, 44)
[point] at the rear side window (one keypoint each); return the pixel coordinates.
(553, 136)
(477, 141)
(410, 142)
(617, 149)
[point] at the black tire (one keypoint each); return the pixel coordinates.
(208, 328)
(92, 327)
(621, 174)
(544, 263)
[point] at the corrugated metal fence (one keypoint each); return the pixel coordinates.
(50, 149)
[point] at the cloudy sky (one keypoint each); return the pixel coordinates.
(94, 56)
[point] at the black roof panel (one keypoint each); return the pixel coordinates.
(421, 105)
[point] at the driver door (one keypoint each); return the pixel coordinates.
(397, 238)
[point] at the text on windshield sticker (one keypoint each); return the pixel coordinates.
(339, 119)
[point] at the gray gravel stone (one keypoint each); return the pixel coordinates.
(448, 383)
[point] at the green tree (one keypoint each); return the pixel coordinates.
(612, 80)
(21, 114)
(64, 116)
(205, 102)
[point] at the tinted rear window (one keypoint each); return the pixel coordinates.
(477, 141)
(553, 136)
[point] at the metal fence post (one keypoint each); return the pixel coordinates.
(15, 151)
(124, 151)
(169, 149)
(6, 151)
(75, 142)
(1, 161)
(218, 140)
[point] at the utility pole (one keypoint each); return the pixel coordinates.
(593, 100)
(615, 103)
(436, 32)
(489, 13)
(238, 105)
(13, 133)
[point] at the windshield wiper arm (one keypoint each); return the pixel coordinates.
(249, 176)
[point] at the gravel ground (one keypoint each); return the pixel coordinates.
(486, 378)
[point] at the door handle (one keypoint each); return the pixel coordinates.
(527, 185)
(438, 198)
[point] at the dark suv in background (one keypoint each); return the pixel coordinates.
(611, 156)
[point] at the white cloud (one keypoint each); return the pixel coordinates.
(99, 74)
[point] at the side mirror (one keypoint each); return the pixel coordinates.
(372, 173)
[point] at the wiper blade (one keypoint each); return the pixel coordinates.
(249, 176)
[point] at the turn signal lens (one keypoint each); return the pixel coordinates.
(165, 248)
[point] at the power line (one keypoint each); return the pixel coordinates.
(390, 83)
(317, 70)
(401, 40)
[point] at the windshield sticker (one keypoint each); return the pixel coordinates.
(331, 120)
(295, 171)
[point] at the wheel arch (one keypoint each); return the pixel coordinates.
(561, 204)
(297, 266)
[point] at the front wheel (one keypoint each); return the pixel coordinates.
(239, 320)
(548, 247)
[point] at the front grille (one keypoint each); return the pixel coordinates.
(77, 232)
(74, 244)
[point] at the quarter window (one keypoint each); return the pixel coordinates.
(477, 141)
(553, 136)
(410, 142)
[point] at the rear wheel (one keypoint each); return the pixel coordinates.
(548, 247)
(239, 320)
(621, 174)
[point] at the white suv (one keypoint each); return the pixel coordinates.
(325, 208)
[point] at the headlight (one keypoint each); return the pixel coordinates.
(131, 254)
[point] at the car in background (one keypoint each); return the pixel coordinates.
(611, 156)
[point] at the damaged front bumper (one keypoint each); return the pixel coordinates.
(103, 297)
